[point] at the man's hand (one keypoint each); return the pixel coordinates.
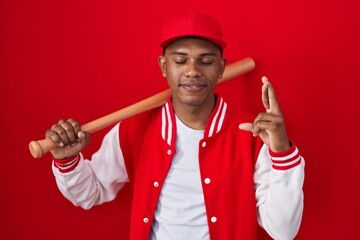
(269, 126)
(69, 138)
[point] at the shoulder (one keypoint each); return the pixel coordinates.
(138, 123)
(139, 118)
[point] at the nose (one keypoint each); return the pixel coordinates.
(192, 70)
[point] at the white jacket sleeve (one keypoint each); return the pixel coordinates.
(91, 182)
(279, 179)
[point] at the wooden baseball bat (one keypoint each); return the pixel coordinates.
(40, 147)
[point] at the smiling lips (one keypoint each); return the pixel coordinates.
(193, 87)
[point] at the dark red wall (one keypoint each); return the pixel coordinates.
(85, 59)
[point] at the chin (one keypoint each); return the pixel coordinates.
(194, 101)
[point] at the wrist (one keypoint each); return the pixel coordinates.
(282, 150)
(281, 147)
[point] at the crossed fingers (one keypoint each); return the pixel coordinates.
(269, 98)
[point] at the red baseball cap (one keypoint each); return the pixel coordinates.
(192, 25)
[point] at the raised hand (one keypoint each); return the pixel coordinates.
(269, 125)
(68, 137)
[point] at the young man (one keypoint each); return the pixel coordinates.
(198, 168)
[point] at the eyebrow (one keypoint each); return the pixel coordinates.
(177, 53)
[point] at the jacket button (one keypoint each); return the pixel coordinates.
(203, 144)
(146, 220)
(207, 180)
(169, 151)
(213, 219)
(156, 184)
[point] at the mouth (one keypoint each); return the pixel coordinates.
(193, 87)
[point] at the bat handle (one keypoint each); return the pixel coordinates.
(40, 147)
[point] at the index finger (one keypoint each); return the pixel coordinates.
(269, 98)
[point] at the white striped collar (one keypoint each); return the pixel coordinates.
(214, 124)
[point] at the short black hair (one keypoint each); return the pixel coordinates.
(195, 37)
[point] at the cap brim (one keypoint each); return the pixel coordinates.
(220, 43)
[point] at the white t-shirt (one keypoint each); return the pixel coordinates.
(180, 212)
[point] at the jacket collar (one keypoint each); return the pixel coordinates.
(214, 125)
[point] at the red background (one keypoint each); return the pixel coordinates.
(85, 59)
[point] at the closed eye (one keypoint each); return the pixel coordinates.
(180, 62)
(207, 62)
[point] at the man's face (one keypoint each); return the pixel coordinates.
(193, 67)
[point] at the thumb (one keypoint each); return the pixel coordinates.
(246, 127)
(84, 138)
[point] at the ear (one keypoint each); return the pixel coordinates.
(162, 65)
(223, 65)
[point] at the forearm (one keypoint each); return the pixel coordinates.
(279, 181)
(87, 183)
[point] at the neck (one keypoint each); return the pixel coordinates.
(194, 116)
